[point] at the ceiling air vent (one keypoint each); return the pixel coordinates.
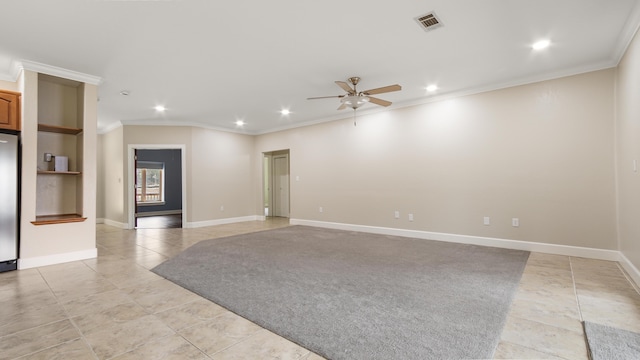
(429, 21)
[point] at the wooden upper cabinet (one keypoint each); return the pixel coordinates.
(9, 110)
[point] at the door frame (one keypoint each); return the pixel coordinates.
(275, 193)
(268, 173)
(131, 173)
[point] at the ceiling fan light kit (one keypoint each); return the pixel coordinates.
(354, 99)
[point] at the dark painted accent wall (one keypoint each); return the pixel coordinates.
(172, 177)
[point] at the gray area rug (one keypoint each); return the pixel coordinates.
(351, 295)
(609, 343)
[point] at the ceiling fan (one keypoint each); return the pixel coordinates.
(354, 99)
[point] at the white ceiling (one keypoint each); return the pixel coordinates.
(212, 63)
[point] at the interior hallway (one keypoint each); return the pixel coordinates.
(113, 307)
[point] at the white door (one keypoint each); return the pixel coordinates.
(281, 186)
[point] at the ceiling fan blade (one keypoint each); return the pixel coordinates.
(379, 101)
(345, 86)
(342, 106)
(384, 89)
(325, 97)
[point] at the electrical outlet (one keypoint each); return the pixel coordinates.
(320, 209)
(396, 214)
(487, 220)
(515, 222)
(221, 207)
(410, 217)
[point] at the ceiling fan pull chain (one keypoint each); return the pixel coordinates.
(354, 117)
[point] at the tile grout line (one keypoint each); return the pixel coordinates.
(536, 321)
(117, 288)
(575, 290)
(84, 339)
(141, 345)
(68, 316)
(117, 256)
(132, 300)
(67, 319)
(629, 279)
(178, 332)
(194, 345)
(241, 340)
(537, 350)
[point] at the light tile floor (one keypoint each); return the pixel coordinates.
(113, 307)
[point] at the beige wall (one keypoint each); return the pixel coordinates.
(113, 181)
(218, 170)
(543, 153)
(137, 135)
(628, 150)
(221, 175)
(9, 85)
(47, 241)
(100, 177)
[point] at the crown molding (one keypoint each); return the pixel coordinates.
(110, 127)
(453, 94)
(374, 110)
(573, 71)
(13, 72)
(629, 30)
(177, 122)
(59, 72)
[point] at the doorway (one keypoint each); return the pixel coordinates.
(158, 185)
(276, 184)
(156, 179)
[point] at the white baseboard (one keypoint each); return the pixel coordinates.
(600, 254)
(115, 224)
(197, 224)
(633, 271)
(56, 258)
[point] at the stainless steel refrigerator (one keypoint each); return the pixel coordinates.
(9, 201)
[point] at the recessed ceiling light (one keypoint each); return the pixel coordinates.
(160, 108)
(240, 123)
(432, 88)
(542, 44)
(285, 112)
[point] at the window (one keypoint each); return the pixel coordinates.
(150, 183)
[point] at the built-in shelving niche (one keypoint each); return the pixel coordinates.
(60, 124)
